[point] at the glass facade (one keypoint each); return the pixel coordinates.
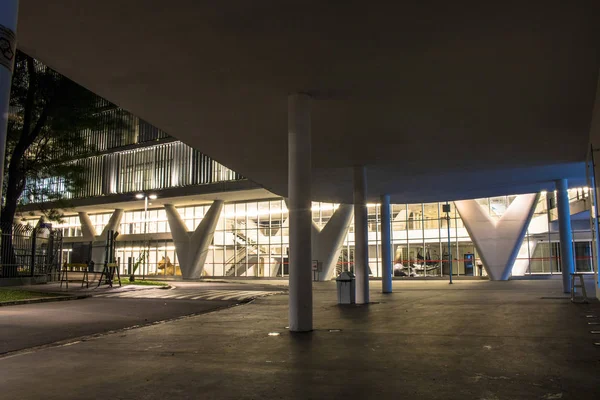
(251, 239)
(129, 155)
(162, 166)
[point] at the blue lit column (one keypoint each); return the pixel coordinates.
(386, 245)
(566, 236)
(300, 213)
(8, 40)
(361, 236)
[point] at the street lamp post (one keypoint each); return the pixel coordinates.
(446, 209)
(146, 241)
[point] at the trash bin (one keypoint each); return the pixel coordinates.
(346, 288)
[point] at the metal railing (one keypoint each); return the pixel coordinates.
(28, 251)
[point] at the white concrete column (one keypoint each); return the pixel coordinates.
(8, 50)
(595, 193)
(498, 241)
(192, 248)
(567, 260)
(87, 228)
(594, 178)
(327, 244)
(99, 241)
(113, 223)
(300, 213)
(361, 238)
(386, 245)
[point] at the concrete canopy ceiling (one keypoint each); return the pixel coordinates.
(439, 100)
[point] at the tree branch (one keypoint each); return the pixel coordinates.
(30, 100)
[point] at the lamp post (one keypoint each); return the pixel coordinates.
(446, 209)
(146, 241)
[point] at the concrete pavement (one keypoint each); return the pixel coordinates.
(30, 325)
(26, 326)
(471, 340)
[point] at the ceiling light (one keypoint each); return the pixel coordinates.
(139, 196)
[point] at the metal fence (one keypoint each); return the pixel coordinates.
(28, 251)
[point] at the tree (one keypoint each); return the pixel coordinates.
(49, 115)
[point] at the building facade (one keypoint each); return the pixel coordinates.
(251, 237)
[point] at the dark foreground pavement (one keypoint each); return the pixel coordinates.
(429, 340)
(30, 325)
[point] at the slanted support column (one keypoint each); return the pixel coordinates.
(8, 40)
(113, 223)
(498, 241)
(192, 248)
(566, 236)
(87, 228)
(361, 239)
(327, 243)
(300, 213)
(99, 241)
(386, 245)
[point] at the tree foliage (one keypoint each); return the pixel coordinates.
(48, 114)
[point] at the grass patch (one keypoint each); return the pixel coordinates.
(7, 294)
(143, 283)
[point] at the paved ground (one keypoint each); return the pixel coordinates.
(192, 294)
(472, 340)
(31, 325)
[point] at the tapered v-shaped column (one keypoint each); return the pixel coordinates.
(498, 242)
(327, 243)
(192, 247)
(99, 241)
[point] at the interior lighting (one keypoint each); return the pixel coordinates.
(153, 197)
(139, 196)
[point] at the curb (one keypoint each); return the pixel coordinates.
(43, 300)
(168, 287)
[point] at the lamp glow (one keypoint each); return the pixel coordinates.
(153, 197)
(139, 196)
